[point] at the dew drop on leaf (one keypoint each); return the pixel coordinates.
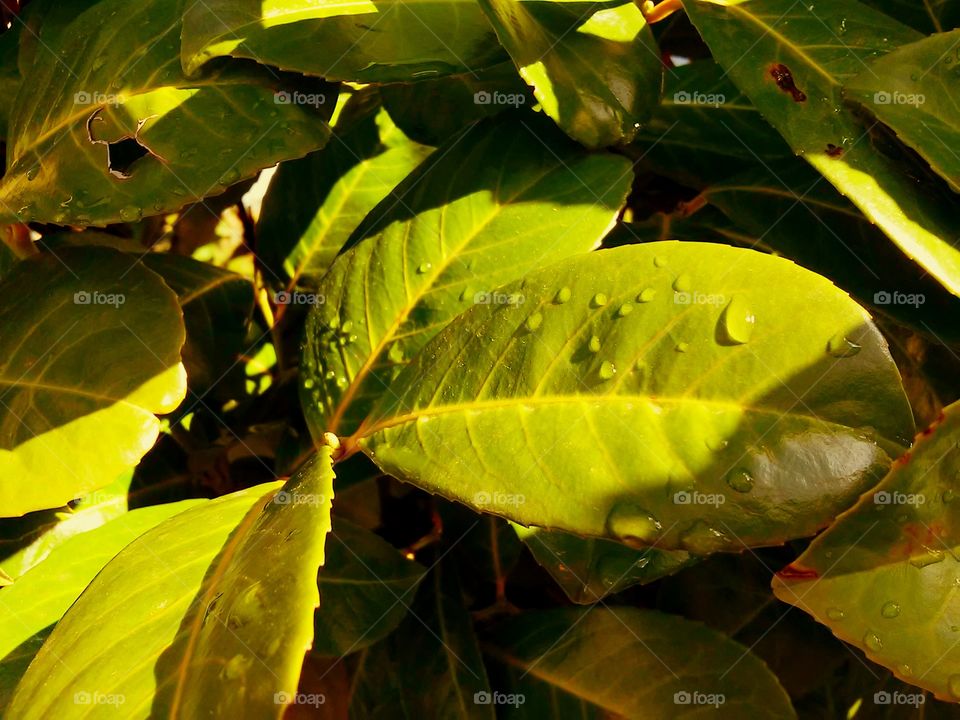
(840, 346)
(682, 283)
(607, 370)
(599, 300)
(563, 294)
(953, 685)
(229, 177)
(660, 261)
(682, 347)
(423, 268)
(624, 310)
(594, 344)
(646, 295)
(740, 480)
(931, 557)
(130, 213)
(873, 642)
(33, 172)
(835, 613)
(702, 539)
(533, 322)
(737, 321)
(890, 610)
(632, 524)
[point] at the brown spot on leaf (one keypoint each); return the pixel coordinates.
(795, 572)
(784, 79)
(834, 151)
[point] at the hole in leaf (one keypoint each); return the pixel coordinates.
(121, 155)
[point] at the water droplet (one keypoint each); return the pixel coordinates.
(607, 370)
(682, 347)
(737, 321)
(835, 613)
(25, 213)
(840, 346)
(624, 310)
(395, 353)
(931, 557)
(599, 300)
(130, 213)
(632, 525)
(33, 172)
(660, 261)
(646, 295)
(594, 344)
(563, 294)
(740, 480)
(948, 496)
(890, 610)
(682, 283)
(229, 177)
(308, 383)
(346, 327)
(237, 667)
(702, 539)
(717, 444)
(424, 268)
(534, 321)
(873, 642)
(953, 685)
(465, 294)
(905, 671)
(330, 375)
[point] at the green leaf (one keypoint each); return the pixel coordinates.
(370, 42)
(314, 204)
(661, 393)
(788, 209)
(882, 576)
(9, 72)
(26, 541)
(365, 588)
(504, 197)
(107, 128)
(432, 111)
(633, 663)
(791, 60)
(597, 73)
(210, 613)
(589, 569)
(927, 16)
(912, 89)
(693, 133)
(92, 354)
(216, 305)
(430, 667)
(38, 599)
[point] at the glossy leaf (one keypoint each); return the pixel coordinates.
(430, 667)
(883, 576)
(589, 569)
(106, 127)
(36, 601)
(366, 587)
(791, 60)
(27, 541)
(210, 613)
(596, 72)
(314, 204)
(788, 209)
(9, 72)
(433, 111)
(216, 305)
(704, 127)
(634, 663)
(927, 16)
(93, 353)
(912, 89)
(367, 41)
(502, 198)
(752, 429)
